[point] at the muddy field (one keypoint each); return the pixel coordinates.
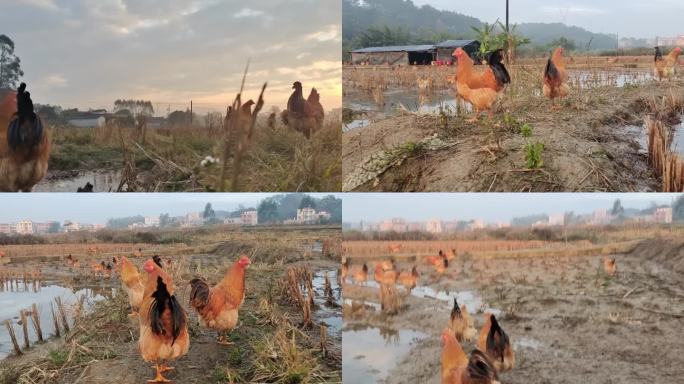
(271, 342)
(402, 138)
(568, 321)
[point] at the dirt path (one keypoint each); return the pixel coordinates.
(590, 144)
(568, 322)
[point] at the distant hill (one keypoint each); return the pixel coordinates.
(427, 22)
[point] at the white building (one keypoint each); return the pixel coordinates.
(434, 226)
(233, 221)
(71, 226)
(250, 217)
(557, 220)
(24, 227)
(477, 224)
(307, 215)
(152, 221)
(663, 216)
(7, 229)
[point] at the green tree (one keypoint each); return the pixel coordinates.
(487, 38)
(164, 220)
(267, 211)
(383, 36)
(10, 64)
(618, 210)
(55, 227)
(568, 45)
(209, 213)
(307, 202)
(136, 107)
(678, 209)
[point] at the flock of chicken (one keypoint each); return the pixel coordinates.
(481, 89)
(304, 115)
(163, 320)
(492, 353)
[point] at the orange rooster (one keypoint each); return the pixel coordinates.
(609, 265)
(360, 274)
(394, 248)
(132, 285)
(388, 265)
(452, 255)
(2, 254)
(218, 306)
(137, 253)
(494, 341)
(480, 89)
(555, 77)
(432, 260)
(163, 322)
(460, 323)
(315, 109)
(458, 369)
(666, 67)
(385, 277)
(409, 279)
(24, 143)
(344, 271)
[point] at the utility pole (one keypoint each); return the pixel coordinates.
(507, 30)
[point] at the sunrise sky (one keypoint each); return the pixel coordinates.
(86, 54)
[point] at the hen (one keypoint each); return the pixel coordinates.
(609, 265)
(163, 322)
(132, 285)
(24, 143)
(385, 277)
(409, 279)
(666, 67)
(218, 306)
(303, 115)
(480, 89)
(494, 341)
(460, 323)
(457, 368)
(555, 77)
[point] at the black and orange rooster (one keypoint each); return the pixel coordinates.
(556, 77)
(457, 368)
(494, 341)
(24, 143)
(163, 322)
(303, 115)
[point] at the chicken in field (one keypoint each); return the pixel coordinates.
(137, 253)
(432, 260)
(609, 265)
(132, 285)
(388, 264)
(452, 255)
(457, 368)
(385, 277)
(218, 306)
(303, 115)
(24, 143)
(556, 77)
(394, 248)
(409, 279)
(344, 271)
(666, 67)
(3, 254)
(359, 274)
(494, 341)
(163, 322)
(480, 89)
(460, 323)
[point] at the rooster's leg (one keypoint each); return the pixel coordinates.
(474, 119)
(165, 368)
(222, 339)
(159, 378)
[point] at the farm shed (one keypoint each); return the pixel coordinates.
(413, 54)
(86, 120)
(446, 48)
(395, 55)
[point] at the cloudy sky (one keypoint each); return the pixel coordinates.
(98, 207)
(629, 18)
(88, 53)
(492, 207)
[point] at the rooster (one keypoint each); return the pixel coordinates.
(609, 266)
(303, 115)
(460, 323)
(24, 143)
(360, 274)
(218, 306)
(132, 285)
(666, 67)
(457, 368)
(385, 277)
(344, 271)
(409, 279)
(556, 77)
(480, 89)
(494, 341)
(163, 322)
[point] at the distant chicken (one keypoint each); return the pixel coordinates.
(3, 254)
(303, 115)
(609, 265)
(394, 248)
(385, 277)
(360, 274)
(344, 271)
(409, 279)
(132, 285)
(457, 368)
(460, 323)
(24, 143)
(494, 341)
(218, 306)
(388, 264)
(666, 68)
(163, 322)
(137, 253)
(556, 77)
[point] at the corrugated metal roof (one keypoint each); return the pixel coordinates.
(397, 48)
(455, 43)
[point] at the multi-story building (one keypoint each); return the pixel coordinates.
(71, 226)
(251, 217)
(557, 220)
(24, 227)
(152, 221)
(663, 215)
(7, 229)
(42, 228)
(307, 215)
(434, 226)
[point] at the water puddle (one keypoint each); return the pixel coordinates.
(102, 182)
(594, 79)
(639, 135)
(368, 354)
(526, 343)
(328, 314)
(473, 303)
(367, 305)
(16, 296)
(677, 144)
